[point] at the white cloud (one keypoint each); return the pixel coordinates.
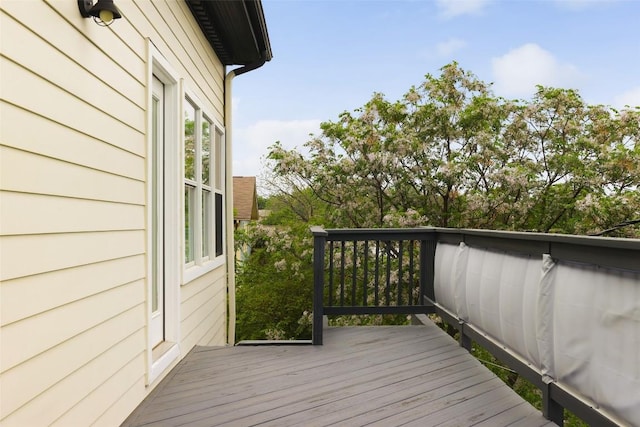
(250, 144)
(630, 98)
(580, 4)
(290, 133)
(446, 49)
(449, 47)
(517, 72)
(452, 8)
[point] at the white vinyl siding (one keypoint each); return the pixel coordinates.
(73, 202)
(203, 319)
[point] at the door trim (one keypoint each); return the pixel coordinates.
(157, 207)
(168, 351)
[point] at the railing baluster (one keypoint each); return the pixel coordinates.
(342, 248)
(331, 273)
(388, 284)
(400, 249)
(377, 279)
(411, 285)
(354, 273)
(414, 280)
(365, 280)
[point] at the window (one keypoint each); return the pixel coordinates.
(218, 186)
(203, 187)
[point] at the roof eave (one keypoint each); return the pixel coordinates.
(236, 30)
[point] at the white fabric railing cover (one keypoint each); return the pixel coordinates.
(496, 292)
(579, 325)
(596, 330)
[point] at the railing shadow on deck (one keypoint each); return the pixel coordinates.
(563, 311)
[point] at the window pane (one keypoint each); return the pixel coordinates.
(189, 222)
(218, 219)
(206, 223)
(155, 111)
(206, 151)
(189, 141)
(218, 162)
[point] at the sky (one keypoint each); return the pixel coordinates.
(330, 56)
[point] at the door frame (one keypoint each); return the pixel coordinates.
(157, 224)
(165, 354)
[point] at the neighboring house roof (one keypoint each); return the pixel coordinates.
(245, 198)
(236, 30)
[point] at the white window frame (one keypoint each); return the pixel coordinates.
(202, 264)
(169, 351)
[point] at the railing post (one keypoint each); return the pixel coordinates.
(464, 340)
(551, 409)
(427, 263)
(319, 242)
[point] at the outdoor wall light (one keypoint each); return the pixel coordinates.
(104, 12)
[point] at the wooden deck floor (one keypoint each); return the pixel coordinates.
(379, 376)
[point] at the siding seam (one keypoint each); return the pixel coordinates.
(78, 367)
(54, 233)
(49, 119)
(80, 33)
(80, 333)
(198, 50)
(63, 196)
(75, 96)
(194, 66)
(197, 311)
(82, 265)
(103, 382)
(73, 302)
(140, 378)
(198, 307)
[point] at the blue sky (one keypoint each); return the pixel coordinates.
(330, 56)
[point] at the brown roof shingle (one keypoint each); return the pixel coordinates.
(245, 198)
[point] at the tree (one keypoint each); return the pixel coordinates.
(448, 153)
(275, 284)
(452, 154)
(262, 202)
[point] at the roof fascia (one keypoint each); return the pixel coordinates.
(236, 30)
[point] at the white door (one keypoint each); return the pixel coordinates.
(157, 327)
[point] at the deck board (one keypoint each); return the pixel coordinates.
(379, 375)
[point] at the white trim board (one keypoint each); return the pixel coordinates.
(159, 66)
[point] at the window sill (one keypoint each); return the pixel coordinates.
(193, 272)
(168, 353)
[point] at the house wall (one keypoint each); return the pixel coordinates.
(73, 207)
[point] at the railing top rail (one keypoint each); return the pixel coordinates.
(604, 251)
(316, 230)
(367, 231)
(602, 242)
(597, 241)
(380, 234)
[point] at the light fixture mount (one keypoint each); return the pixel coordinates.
(104, 12)
(85, 6)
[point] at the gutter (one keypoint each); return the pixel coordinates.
(231, 252)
